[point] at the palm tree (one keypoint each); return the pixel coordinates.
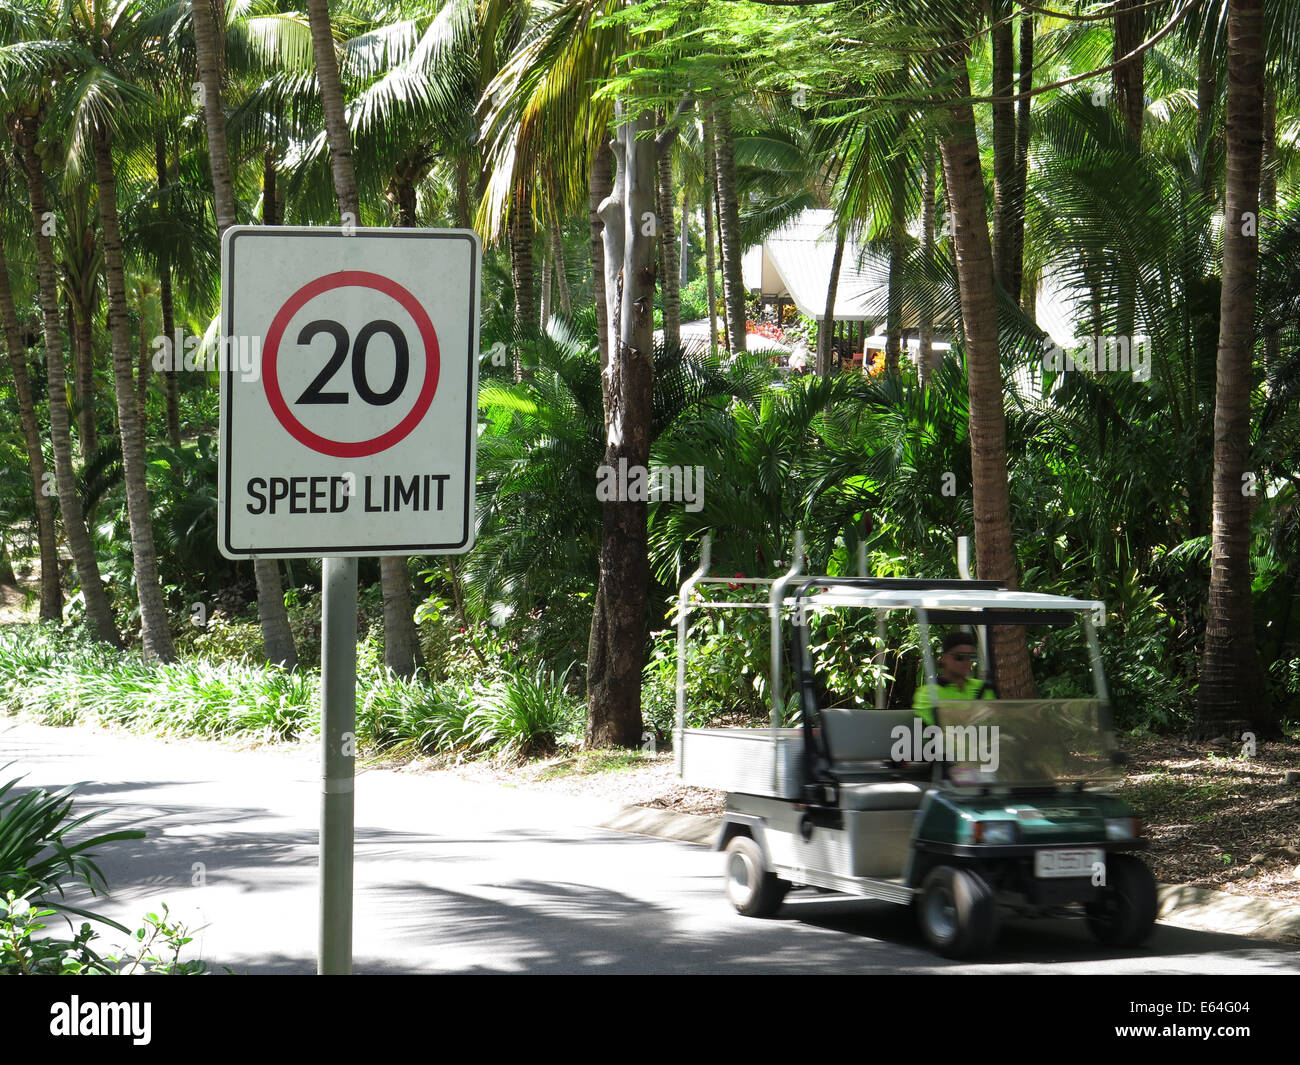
(51, 590)
(98, 610)
(277, 637)
(1231, 689)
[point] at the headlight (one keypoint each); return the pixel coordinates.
(1123, 828)
(995, 833)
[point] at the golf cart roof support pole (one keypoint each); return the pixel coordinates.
(338, 670)
(981, 631)
(774, 597)
(684, 598)
(927, 654)
(1094, 654)
(880, 653)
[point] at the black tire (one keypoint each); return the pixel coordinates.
(1126, 912)
(958, 912)
(752, 888)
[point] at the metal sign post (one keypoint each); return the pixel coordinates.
(348, 361)
(338, 670)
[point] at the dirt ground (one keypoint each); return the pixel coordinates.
(1214, 819)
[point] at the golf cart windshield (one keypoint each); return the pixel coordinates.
(1026, 742)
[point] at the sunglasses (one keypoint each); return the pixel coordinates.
(961, 656)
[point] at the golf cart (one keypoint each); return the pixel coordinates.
(984, 812)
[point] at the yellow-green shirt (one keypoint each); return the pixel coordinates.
(974, 688)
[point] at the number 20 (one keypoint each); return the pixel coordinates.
(360, 379)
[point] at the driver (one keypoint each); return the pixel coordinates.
(955, 681)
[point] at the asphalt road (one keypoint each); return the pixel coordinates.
(455, 877)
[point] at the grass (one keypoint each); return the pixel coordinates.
(58, 680)
(592, 763)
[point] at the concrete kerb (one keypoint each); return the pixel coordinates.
(1181, 905)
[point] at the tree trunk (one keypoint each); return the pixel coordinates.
(1020, 187)
(521, 257)
(827, 325)
(897, 232)
(616, 649)
(1004, 147)
(155, 629)
(684, 251)
(402, 652)
(991, 503)
(51, 590)
(464, 214)
(669, 281)
(1129, 79)
(168, 311)
(98, 611)
(277, 637)
(925, 339)
(548, 268)
(561, 270)
(83, 370)
(209, 53)
(1206, 90)
(729, 216)
(710, 251)
(1267, 206)
(599, 186)
(1231, 694)
(142, 366)
(332, 104)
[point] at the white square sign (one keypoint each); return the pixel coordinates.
(349, 391)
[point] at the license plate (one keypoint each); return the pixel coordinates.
(1055, 864)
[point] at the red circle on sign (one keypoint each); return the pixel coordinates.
(349, 449)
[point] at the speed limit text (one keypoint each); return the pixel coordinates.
(391, 493)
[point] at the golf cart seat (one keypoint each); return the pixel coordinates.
(860, 743)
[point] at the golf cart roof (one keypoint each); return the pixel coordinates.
(850, 593)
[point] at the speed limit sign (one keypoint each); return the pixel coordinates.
(348, 365)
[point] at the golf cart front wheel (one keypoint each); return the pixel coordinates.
(958, 912)
(752, 888)
(1126, 911)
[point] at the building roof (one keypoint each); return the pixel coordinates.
(795, 262)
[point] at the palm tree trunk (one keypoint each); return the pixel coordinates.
(168, 311)
(142, 363)
(561, 270)
(710, 250)
(684, 252)
(991, 502)
(155, 630)
(277, 637)
(1206, 90)
(897, 231)
(548, 268)
(1268, 205)
(925, 337)
(616, 648)
(332, 104)
(827, 325)
(669, 281)
(51, 590)
(1004, 147)
(729, 217)
(1020, 187)
(464, 216)
(521, 257)
(1129, 79)
(98, 610)
(1231, 693)
(83, 370)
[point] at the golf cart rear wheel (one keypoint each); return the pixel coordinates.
(1126, 911)
(752, 888)
(958, 912)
